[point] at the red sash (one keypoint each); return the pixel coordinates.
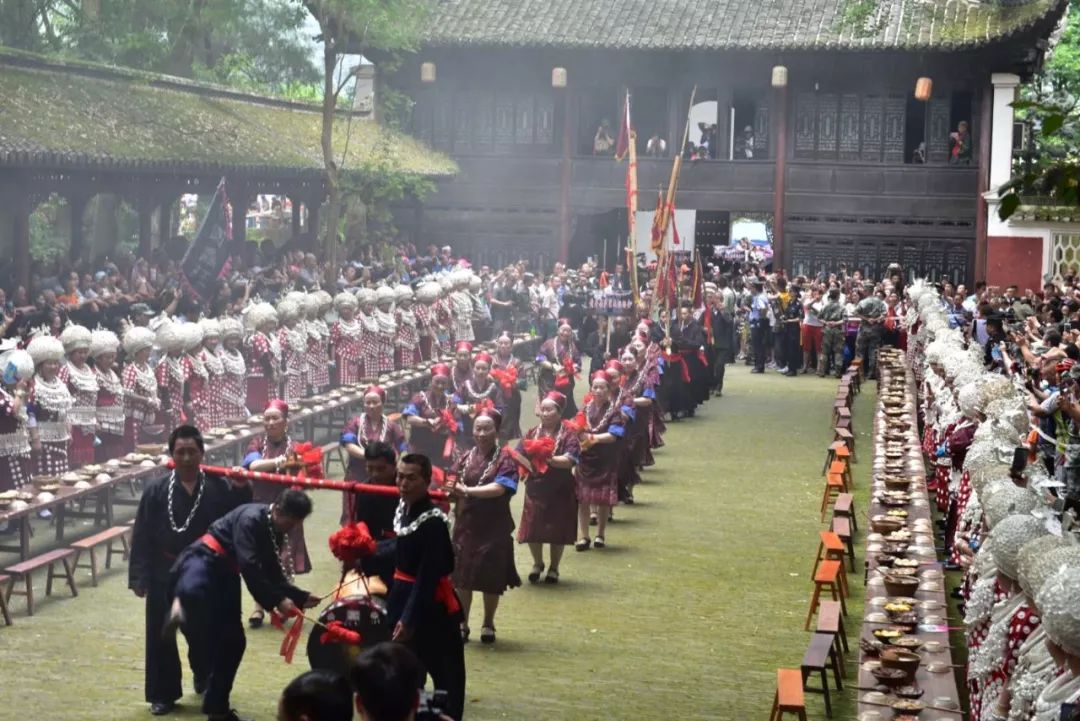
(444, 590)
(215, 545)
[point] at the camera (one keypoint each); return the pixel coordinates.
(432, 705)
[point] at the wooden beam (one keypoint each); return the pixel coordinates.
(21, 235)
(77, 206)
(566, 174)
(780, 251)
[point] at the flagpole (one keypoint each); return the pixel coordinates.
(631, 208)
(665, 217)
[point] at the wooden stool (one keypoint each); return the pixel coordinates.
(4, 581)
(789, 696)
(842, 528)
(830, 455)
(857, 366)
(845, 508)
(831, 548)
(90, 545)
(841, 413)
(830, 621)
(827, 578)
(834, 486)
(24, 572)
(841, 468)
(845, 435)
(820, 655)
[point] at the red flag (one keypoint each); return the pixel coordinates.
(626, 130)
(657, 233)
(674, 227)
(699, 284)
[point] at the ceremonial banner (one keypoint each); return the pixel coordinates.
(620, 302)
(207, 259)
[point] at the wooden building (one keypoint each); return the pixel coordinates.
(80, 129)
(850, 164)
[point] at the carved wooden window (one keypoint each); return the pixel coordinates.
(849, 127)
(761, 130)
(827, 121)
(805, 125)
(895, 119)
(937, 131)
(873, 110)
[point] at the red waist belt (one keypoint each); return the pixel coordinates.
(215, 545)
(444, 590)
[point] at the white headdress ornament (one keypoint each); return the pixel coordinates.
(136, 339)
(75, 337)
(1010, 536)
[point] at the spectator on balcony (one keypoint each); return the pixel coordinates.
(656, 147)
(960, 145)
(602, 141)
(746, 143)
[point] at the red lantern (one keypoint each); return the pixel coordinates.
(923, 88)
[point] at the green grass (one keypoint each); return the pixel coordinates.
(699, 597)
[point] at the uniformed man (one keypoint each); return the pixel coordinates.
(871, 311)
(174, 511)
(832, 317)
(206, 588)
(423, 606)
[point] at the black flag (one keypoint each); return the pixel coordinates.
(207, 259)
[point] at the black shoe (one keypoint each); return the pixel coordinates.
(487, 635)
(956, 593)
(592, 519)
(160, 708)
(464, 634)
(756, 371)
(583, 545)
(552, 577)
(534, 575)
(200, 686)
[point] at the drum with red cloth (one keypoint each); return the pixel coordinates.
(364, 614)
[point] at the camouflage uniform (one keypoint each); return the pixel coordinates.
(871, 310)
(832, 343)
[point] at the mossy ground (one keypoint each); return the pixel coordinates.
(700, 596)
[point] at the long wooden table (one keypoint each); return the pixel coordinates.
(319, 426)
(931, 590)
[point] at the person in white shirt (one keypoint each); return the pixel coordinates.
(813, 329)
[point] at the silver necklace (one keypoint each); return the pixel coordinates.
(399, 519)
(194, 506)
(489, 468)
(365, 426)
(286, 572)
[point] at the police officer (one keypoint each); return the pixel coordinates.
(871, 311)
(832, 344)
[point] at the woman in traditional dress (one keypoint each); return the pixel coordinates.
(196, 378)
(82, 383)
(407, 342)
(346, 340)
(172, 379)
(559, 361)
(549, 514)
(507, 370)
(444, 317)
(318, 356)
(387, 329)
(269, 453)
(213, 414)
(369, 427)
(369, 338)
(483, 529)
(427, 296)
(50, 403)
(293, 341)
(478, 393)
(463, 365)
(16, 374)
(635, 401)
(433, 421)
(461, 306)
(263, 355)
(234, 379)
(601, 424)
(112, 442)
(141, 400)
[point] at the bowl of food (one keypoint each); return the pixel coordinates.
(901, 658)
(885, 524)
(911, 643)
(900, 585)
(891, 677)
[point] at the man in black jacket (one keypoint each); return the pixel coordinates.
(722, 327)
(246, 542)
(174, 511)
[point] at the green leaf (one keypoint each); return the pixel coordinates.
(1008, 206)
(1052, 123)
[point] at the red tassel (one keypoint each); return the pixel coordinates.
(506, 378)
(337, 633)
(580, 424)
(292, 637)
(351, 543)
(539, 451)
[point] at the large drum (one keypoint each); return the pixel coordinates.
(364, 611)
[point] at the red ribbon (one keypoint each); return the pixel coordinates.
(485, 405)
(444, 590)
(506, 378)
(539, 452)
(568, 370)
(337, 633)
(292, 636)
(351, 543)
(674, 359)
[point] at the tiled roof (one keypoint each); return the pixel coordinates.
(732, 24)
(57, 114)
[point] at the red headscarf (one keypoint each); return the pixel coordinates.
(278, 405)
(463, 345)
(557, 398)
(377, 390)
(482, 356)
(602, 375)
(440, 369)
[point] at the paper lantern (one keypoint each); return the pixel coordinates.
(923, 88)
(427, 72)
(558, 77)
(779, 76)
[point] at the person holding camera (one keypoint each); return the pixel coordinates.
(387, 679)
(422, 607)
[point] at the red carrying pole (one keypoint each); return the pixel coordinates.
(313, 483)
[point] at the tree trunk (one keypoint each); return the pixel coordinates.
(333, 179)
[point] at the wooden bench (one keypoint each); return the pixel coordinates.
(3, 600)
(831, 621)
(789, 697)
(834, 486)
(827, 578)
(842, 528)
(24, 572)
(107, 537)
(845, 508)
(819, 657)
